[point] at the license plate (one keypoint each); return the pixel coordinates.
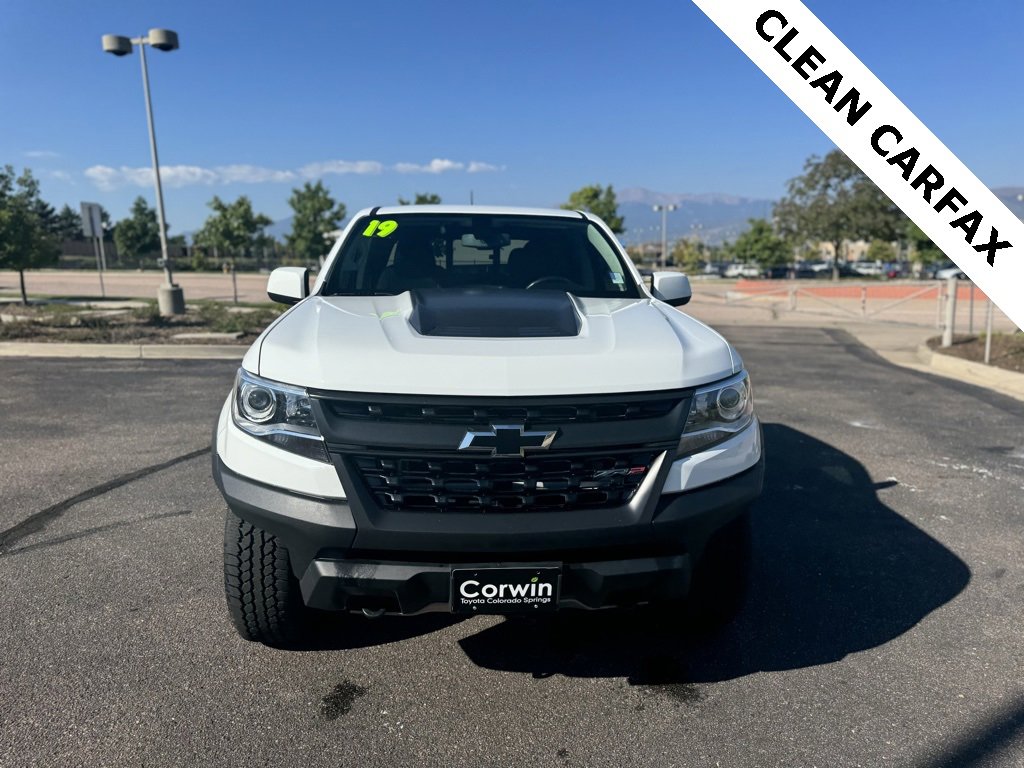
(505, 590)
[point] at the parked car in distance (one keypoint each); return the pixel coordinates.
(897, 269)
(780, 272)
(868, 268)
(823, 271)
(941, 271)
(747, 271)
(948, 272)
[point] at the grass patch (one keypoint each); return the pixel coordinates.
(62, 322)
(149, 315)
(219, 318)
(15, 331)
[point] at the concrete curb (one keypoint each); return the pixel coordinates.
(924, 354)
(999, 379)
(124, 351)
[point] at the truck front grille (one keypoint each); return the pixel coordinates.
(456, 484)
(483, 412)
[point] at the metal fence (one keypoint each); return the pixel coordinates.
(911, 303)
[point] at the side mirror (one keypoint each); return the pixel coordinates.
(288, 285)
(672, 288)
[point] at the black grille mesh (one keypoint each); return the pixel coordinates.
(447, 484)
(544, 413)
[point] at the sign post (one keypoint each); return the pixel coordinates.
(92, 227)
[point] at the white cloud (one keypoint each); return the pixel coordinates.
(251, 174)
(108, 178)
(328, 167)
(42, 153)
(64, 176)
(437, 165)
(177, 176)
(103, 176)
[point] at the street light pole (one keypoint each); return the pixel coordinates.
(171, 298)
(664, 229)
(161, 219)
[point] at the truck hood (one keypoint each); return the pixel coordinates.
(370, 344)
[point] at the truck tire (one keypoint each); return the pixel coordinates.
(722, 575)
(262, 594)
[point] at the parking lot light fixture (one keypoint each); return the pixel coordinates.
(664, 231)
(170, 297)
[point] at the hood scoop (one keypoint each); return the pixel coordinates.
(494, 313)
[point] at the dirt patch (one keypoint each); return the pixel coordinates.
(1007, 349)
(61, 322)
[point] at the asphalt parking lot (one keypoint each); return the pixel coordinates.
(883, 625)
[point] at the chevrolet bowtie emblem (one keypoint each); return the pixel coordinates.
(507, 440)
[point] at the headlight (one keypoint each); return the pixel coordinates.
(277, 413)
(717, 413)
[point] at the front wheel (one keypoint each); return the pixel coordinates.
(262, 594)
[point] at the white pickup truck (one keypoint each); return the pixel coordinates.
(483, 410)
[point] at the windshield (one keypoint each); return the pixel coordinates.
(403, 252)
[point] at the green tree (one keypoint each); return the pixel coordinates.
(422, 198)
(834, 202)
(199, 262)
(233, 229)
(880, 250)
(43, 211)
(760, 245)
(687, 255)
(316, 214)
(67, 224)
(138, 235)
(922, 249)
(25, 238)
(600, 202)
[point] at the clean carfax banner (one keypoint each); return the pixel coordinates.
(895, 149)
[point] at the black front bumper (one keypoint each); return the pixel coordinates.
(606, 560)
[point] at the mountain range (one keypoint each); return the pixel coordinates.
(712, 217)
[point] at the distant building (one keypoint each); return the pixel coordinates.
(851, 251)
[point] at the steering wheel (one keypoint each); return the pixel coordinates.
(563, 281)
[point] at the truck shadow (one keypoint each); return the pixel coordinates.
(334, 631)
(836, 571)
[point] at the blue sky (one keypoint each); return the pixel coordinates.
(519, 102)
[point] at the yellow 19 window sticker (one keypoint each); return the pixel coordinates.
(380, 228)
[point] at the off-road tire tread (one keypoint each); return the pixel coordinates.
(262, 595)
